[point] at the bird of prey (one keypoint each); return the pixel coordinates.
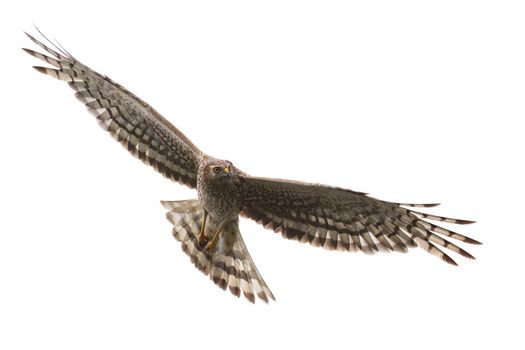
(208, 227)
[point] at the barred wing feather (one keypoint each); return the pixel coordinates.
(130, 120)
(336, 218)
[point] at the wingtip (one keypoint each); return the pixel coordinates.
(419, 205)
(449, 260)
(32, 38)
(430, 205)
(31, 52)
(472, 241)
(466, 254)
(464, 222)
(40, 69)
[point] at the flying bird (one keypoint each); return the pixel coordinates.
(208, 227)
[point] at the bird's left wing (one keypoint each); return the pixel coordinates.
(130, 120)
(336, 218)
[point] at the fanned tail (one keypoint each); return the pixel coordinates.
(229, 265)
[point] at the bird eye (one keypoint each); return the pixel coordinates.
(216, 170)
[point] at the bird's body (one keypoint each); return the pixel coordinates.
(208, 227)
(219, 192)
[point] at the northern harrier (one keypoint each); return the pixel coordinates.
(208, 227)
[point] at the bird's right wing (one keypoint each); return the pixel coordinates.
(130, 120)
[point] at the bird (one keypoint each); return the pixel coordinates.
(207, 227)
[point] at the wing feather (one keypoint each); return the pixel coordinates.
(341, 219)
(131, 121)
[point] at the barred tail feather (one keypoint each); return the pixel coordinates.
(229, 265)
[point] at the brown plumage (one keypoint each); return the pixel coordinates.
(208, 227)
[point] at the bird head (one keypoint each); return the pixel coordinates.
(221, 170)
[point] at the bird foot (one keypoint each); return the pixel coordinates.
(211, 245)
(203, 240)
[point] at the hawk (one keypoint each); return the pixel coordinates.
(208, 227)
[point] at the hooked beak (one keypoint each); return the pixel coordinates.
(227, 169)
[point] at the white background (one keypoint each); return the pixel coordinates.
(407, 100)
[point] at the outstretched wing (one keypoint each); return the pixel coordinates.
(229, 265)
(336, 218)
(131, 121)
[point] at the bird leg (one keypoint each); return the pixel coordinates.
(202, 237)
(211, 244)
